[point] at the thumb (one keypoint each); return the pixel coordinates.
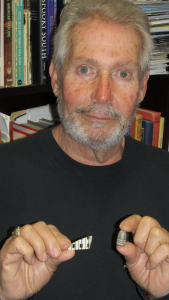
(130, 252)
(64, 256)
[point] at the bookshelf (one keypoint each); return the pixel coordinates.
(19, 98)
(157, 98)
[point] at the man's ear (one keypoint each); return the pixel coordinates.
(143, 87)
(54, 78)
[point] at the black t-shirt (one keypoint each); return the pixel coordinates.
(39, 182)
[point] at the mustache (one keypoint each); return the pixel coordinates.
(96, 108)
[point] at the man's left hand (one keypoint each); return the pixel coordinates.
(147, 259)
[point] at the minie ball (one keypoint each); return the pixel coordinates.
(121, 238)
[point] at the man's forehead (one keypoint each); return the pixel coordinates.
(85, 45)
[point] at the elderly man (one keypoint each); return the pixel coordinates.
(84, 176)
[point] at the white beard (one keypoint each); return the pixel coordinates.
(99, 141)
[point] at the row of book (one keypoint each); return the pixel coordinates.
(147, 127)
(25, 122)
(26, 32)
(158, 14)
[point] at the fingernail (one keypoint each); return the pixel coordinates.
(125, 223)
(56, 251)
(65, 243)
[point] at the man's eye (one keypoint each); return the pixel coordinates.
(124, 74)
(84, 70)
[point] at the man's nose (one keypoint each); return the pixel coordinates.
(102, 90)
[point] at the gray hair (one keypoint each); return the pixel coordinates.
(121, 12)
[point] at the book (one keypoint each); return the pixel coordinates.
(161, 133)
(55, 16)
(136, 127)
(49, 27)
(14, 24)
(1, 42)
(27, 43)
(47, 111)
(38, 40)
(25, 47)
(19, 53)
(152, 116)
(21, 131)
(148, 131)
(7, 43)
(6, 125)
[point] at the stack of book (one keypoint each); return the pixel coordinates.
(26, 33)
(158, 14)
(147, 127)
(26, 122)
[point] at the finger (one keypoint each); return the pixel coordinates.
(159, 256)
(130, 224)
(29, 233)
(131, 254)
(141, 226)
(157, 236)
(15, 250)
(63, 241)
(143, 230)
(54, 240)
(65, 255)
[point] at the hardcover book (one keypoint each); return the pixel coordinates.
(27, 43)
(136, 128)
(148, 131)
(1, 42)
(14, 25)
(39, 46)
(155, 117)
(7, 43)
(161, 133)
(20, 45)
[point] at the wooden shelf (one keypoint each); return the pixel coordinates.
(24, 90)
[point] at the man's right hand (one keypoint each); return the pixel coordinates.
(28, 261)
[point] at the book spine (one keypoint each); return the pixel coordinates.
(1, 42)
(161, 133)
(49, 26)
(29, 56)
(20, 45)
(15, 39)
(55, 16)
(38, 35)
(25, 47)
(138, 131)
(13, 42)
(148, 131)
(152, 116)
(11, 131)
(27, 43)
(156, 133)
(43, 43)
(8, 43)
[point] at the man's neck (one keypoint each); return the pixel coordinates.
(85, 154)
